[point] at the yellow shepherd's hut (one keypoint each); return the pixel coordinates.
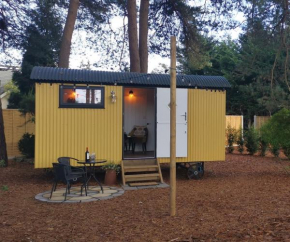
(104, 110)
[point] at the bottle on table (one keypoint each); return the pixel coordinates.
(87, 155)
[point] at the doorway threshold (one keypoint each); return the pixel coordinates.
(128, 155)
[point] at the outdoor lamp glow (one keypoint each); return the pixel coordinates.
(131, 93)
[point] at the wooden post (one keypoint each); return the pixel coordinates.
(173, 126)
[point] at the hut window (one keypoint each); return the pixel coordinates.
(81, 97)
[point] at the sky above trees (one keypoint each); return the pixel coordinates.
(84, 53)
(81, 56)
(85, 56)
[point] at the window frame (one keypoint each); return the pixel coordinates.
(100, 105)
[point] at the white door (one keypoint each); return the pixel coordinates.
(163, 122)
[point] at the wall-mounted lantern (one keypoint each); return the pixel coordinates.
(131, 94)
(113, 96)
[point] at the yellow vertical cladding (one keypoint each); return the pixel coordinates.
(68, 131)
(206, 126)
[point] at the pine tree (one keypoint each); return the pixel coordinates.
(41, 48)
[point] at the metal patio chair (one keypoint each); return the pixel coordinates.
(139, 134)
(63, 173)
(67, 161)
(75, 170)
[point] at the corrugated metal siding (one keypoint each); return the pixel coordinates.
(206, 126)
(63, 75)
(68, 131)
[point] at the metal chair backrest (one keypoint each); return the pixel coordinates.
(66, 161)
(60, 172)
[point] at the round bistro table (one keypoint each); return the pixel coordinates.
(92, 166)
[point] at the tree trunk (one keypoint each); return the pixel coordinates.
(133, 36)
(143, 36)
(67, 33)
(3, 150)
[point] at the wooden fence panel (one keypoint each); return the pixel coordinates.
(8, 130)
(15, 125)
(260, 120)
(234, 121)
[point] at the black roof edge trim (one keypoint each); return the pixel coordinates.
(92, 77)
(128, 85)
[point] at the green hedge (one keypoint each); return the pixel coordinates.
(276, 132)
(26, 145)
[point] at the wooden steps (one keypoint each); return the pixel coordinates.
(141, 172)
(136, 184)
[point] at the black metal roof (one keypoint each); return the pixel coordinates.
(63, 75)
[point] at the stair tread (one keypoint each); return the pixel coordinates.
(142, 175)
(141, 166)
(142, 184)
(139, 162)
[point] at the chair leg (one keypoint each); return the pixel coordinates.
(67, 188)
(85, 185)
(55, 186)
(52, 189)
(144, 147)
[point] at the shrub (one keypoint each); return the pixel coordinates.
(266, 134)
(231, 137)
(287, 151)
(240, 141)
(275, 150)
(251, 140)
(277, 132)
(112, 166)
(2, 163)
(263, 142)
(27, 104)
(263, 146)
(26, 145)
(5, 188)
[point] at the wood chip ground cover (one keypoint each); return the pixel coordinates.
(245, 198)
